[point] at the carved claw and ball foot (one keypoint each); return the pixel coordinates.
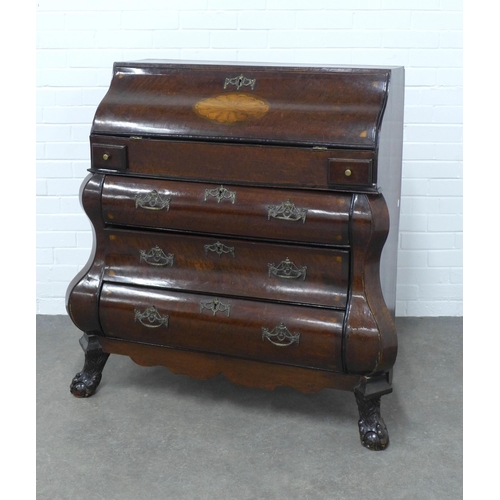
(85, 383)
(372, 429)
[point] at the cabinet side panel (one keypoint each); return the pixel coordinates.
(370, 342)
(83, 292)
(390, 159)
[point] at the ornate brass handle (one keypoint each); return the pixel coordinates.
(240, 81)
(280, 336)
(219, 248)
(216, 306)
(156, 257)
(152, 200)
(286, 211)
(287, 269)
(221, 193)
(151, 318)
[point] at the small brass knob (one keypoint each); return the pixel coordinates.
(105, 156)
(348, 172)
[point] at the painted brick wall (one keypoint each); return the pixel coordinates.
(77, 43)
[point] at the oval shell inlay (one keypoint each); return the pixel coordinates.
(231, 108)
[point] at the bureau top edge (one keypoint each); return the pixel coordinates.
(162, 63)
(288, 105)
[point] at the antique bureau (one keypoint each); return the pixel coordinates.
(246, 223)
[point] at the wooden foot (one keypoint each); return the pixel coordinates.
(85, 383)
(372, 429)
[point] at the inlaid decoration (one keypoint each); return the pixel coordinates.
(231, 108)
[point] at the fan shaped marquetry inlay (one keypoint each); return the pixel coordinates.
(231, 108)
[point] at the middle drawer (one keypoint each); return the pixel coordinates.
(304, 275)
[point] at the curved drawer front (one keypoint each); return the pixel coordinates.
(225, 209)
(254, 330)
(316, 276)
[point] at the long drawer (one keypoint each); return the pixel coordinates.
(225, 209)
(250, 329)
(311, 275)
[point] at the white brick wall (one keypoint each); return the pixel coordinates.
(77, 43)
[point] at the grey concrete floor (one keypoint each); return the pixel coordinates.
(149, 434)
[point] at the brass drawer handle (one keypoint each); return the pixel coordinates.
(216, 306)
(152, 200)
(240, 81)
(280, 336)
(219, 248)
(151, 318)
(288, 270)
(286, 211)
(156, 257)
(221, 193)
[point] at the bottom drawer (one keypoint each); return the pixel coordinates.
(265, 331)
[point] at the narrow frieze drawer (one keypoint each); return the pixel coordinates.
(274, 166)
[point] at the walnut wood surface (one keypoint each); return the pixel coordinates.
(224, 144)
(326, 221)
(370, 345)
(239, 163)
(243, 271)
(250, 373)
(237, 333)
(322, 105)
(82, 295)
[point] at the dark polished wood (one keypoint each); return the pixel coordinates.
(316, 276)
(82, 295)
(372, 429)
(245, 223)
(246, 372)
(370, 341)
(303, 109)
(293, 167)
(85, 383)
(235, 328)
(190, 209)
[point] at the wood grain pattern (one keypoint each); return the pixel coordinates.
(288, 167)
(370, 335)
(231, 108)
(326, 222)
(249, 373)
(242, 272)
(237, 333)
(82, 295)
(307, 105)
(240, 217)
